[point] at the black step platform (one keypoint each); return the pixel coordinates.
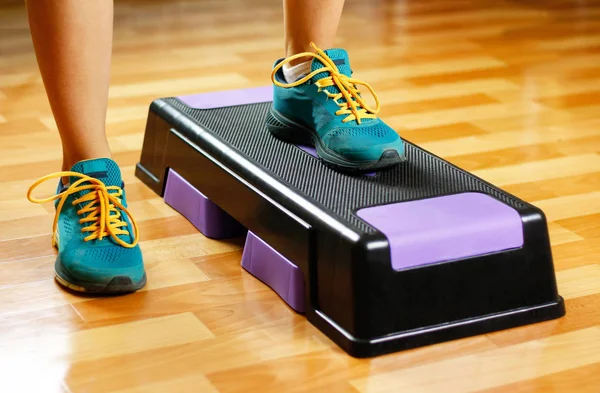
(414, 255)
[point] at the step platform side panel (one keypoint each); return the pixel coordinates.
(151, 169)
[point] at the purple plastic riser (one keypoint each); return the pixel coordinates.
(445, 228)
(259, 259)
(276, 271)
(210, 219)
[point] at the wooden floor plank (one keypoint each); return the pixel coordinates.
(586, 379)
(494, 368)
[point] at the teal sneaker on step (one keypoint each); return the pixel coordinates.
(325, 109)
(96, 236)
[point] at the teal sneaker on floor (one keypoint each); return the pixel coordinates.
(96, 236)
(325, 109)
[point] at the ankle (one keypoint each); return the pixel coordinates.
(294, 48)
(73, 156)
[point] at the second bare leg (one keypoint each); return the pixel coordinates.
(310, 20)
(73, 44)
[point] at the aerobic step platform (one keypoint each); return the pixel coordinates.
(415, 255)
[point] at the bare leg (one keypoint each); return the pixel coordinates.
(73, 44)
(310, 20)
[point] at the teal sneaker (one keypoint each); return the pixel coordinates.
(96, 236)
(325, 109)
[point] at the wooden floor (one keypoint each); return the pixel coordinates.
(508, 90)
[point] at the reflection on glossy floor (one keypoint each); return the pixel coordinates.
(508, 91)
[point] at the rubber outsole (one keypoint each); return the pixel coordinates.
(289, 131)
(118, 285)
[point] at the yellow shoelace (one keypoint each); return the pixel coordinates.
(100, 211)
(346, 85)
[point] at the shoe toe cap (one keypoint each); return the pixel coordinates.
(364, 144)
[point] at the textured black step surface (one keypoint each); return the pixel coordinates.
(423, 175)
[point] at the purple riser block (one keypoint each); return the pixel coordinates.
(445, 228)
(272, 268)
(258, 258)
(210, 219)
(221, 99)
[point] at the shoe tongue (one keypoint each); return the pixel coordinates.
(103, 169)
(342, 62)
(339, 57)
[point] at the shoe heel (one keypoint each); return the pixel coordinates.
(287, 133)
